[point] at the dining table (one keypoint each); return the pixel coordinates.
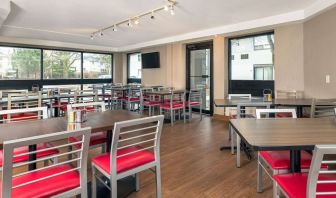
(98, 121)
(293, 135)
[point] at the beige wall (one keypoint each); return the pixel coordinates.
(118, 68)
(288, 58)
(320, 55)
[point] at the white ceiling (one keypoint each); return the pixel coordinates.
(72, 21)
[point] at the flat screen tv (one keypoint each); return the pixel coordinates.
(150, 60)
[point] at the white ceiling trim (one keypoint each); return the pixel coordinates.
(318, 7)
(39, 42)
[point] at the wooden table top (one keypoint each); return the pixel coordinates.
(285, 102)
(99, 121)
(164, 92)
(284, 134)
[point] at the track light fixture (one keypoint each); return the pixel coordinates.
(169, 6)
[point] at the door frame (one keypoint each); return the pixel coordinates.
(199, 46)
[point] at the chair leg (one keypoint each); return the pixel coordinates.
(232, 140)
(114, 192)
(201, 113)
(275, 190)
(103, 148)
(94, 183)
(158, 181)
(172, 117)
(150, 110)
(137, 182)
(184, 115)
(238, 150)
(259, 177)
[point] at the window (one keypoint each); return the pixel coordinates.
(134, 67)
(254, 70)
(20, 63)
(61, 64)
(97, 66)
(263, 72)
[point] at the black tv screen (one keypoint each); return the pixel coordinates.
(150, 60)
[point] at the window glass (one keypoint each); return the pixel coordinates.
(134, 65)
(97, 66)
(249, 55)
(61, 64)
(20, 63)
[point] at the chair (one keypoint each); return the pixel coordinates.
(25, 100)
(5, 93)
(63, 179)
(176, 103)
(317, 183)
(20, 115)
(195, 100)
(135, 147)
(65, 96)
(148, 100)
(277, 162)
(243, 113)
(323, 108)
(133, 98)
(286, 94)
(97, 139)
(232, 111)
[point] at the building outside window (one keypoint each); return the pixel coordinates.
(134, 67)
(97, 66)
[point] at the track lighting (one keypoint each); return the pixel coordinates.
(135, 20)
(172, 12)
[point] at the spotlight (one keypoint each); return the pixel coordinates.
(91, 37)
(136, 22)
(114, 28)
(152, 15)
(165, 8)
(172, 12)
(129, 23)
(101, 33)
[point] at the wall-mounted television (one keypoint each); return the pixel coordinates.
(150, 60)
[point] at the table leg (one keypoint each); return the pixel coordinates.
(299, 110)
(109, 140)
(32, 157)
(56, 110)
(238, 151)
(295, 161)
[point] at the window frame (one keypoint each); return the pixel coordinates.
(132, 80)
(27, 84)
(253, 87)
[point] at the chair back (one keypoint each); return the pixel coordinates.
(240, 96)
(196, 95)
(78, 164)
(89, 106)
(67, 95)
(265, 113)
(318, 176)
(86, 96)
(133, 92)
(165, 88)
(323, 108)
(287, 94)
(143, 133)
(248, 110)
(177, 98)
(5, 93)
(145, 95)
(19, 115)
(25, 100)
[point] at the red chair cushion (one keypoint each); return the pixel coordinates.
(25, 158)
(193, 103)
(150, 103)
(21, 116)
(59, 103)
(64, 108)
(283, 115)
(47, 187)
(281, 159)
(174, 105)
(134, 99)
(295, 184)
(127, 162)
(95, 139)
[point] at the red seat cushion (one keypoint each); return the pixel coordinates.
(284, 115)
(150, 103)
(134, 99)
(295, 184)
(95, 139)
(64, 108)
(193, 103)
(281, 159)
(25, 158)
(47, 187)
(174, 105)
(21, 116)
(126, 162)
(59, 103)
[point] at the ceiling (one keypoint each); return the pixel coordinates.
(73, 21)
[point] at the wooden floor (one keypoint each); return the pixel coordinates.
(193, 166)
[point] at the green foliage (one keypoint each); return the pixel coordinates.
(26, 62)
